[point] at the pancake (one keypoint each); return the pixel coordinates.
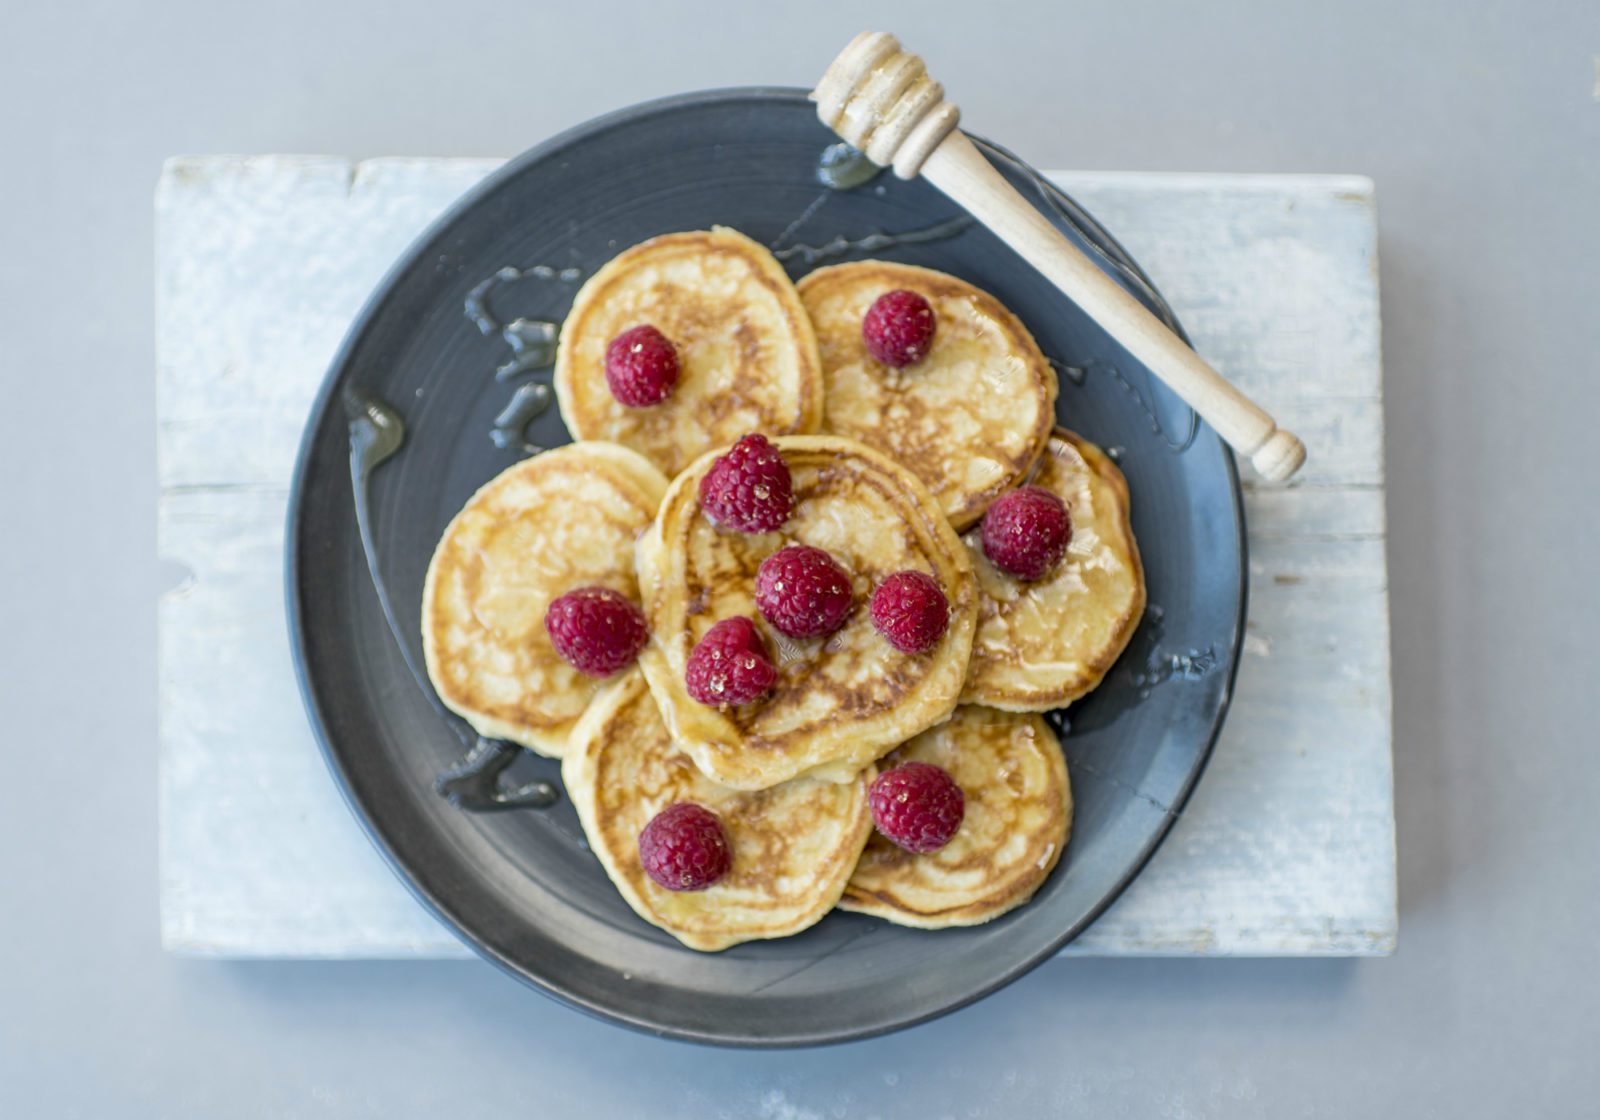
(840, 701)
(1044, 644)
(747, 355)
(970, 419)
(794, 845)
(561, 520)
(1019, 812)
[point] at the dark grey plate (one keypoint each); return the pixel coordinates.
(519, 886)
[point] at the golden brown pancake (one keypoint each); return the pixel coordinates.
(840, 701)
(561, 520)
(1044, 644)
(793, 845)
(1018, 814)
(970, 418)
(747, 355)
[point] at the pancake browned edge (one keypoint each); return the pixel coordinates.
(564, 519)
(970, 419)
(1044, 644)
(793, 845)
(840, 701)
(1018, 815)
(747, 355)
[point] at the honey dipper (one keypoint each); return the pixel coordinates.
(879, 98)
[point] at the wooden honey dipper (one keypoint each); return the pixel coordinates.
(880, 98)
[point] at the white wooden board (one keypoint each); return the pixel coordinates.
(1287, 847)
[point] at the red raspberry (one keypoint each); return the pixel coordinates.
(917, 805)
(641, 367)
(596, 629)
(729, 665)
(749, 488)
(1026, 532)
(898, 328)
(684, 848)
(911, 611)
(803, 591)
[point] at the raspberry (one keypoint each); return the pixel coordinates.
(917, 805)
(684, 848)
(911, 611)
(898, 328)
(749, 488)
(641, 367)
(596, 629)
(729, 665)
(803, 591)
(1026, 532)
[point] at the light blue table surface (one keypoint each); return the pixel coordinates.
(1480, 123)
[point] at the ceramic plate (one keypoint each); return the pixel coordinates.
(518, 884)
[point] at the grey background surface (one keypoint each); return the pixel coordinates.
(1480, 123)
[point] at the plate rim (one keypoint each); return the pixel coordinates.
(318, 720)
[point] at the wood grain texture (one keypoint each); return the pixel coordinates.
(1288, 844)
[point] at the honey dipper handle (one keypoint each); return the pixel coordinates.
(958, 169)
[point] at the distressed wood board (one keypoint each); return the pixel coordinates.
(1287, 846)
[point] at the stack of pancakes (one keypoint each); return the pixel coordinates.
(892, 470)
